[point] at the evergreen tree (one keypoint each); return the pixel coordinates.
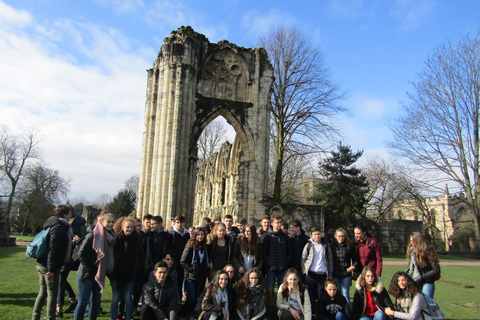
(343, 190)
(123, 203)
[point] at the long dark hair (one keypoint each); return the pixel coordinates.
(410, 290)
(213, 286)
(193, 243)
(241, 287)
(249, 246)
(286, 290)
(424, 252)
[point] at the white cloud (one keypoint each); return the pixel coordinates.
(10, 17)
(257, 24)
(123, 6)
(412, 13)
(88, 100)
(351, 10)
(372, 108)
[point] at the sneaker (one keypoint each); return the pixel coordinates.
(59, 314)
(71, 307)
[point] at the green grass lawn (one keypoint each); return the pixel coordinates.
(19, 287)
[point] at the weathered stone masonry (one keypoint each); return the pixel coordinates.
(191, 83)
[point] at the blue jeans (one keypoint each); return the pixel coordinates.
(47, 291)
(273, 276)
(344, 284)
(379, 315)
(194, 289)
(87, 287)
(121, 291)
(429, 289)
(338, 316)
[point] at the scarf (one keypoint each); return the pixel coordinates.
(222, 299)
(413, 269)
(103, 242)
(254, 303)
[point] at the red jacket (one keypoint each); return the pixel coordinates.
(368, 254)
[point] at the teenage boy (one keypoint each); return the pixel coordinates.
(230, 228)
(241, 223)
(265, 222)
(180, 237)
(158, 242)
(299, 239)
(277, 251)
(160, 296)
(146, 223)
(317, 265)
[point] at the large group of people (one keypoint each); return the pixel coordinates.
(226, 271)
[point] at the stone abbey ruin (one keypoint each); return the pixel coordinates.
(192, 82)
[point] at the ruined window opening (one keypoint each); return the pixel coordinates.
(222, 199)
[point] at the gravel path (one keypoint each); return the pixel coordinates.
(462, 263)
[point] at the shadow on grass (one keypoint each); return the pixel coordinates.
(7, 252)
(18, 299)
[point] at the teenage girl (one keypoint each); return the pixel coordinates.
(293, 301)
(253, 296)
(195, 264)
(216, 303)
(409, 302)
(219, 249)
(96, 255)
(332, 304)
(247, 252)
(343, 258)
(423, 264)
(371, 298)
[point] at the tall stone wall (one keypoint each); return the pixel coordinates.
(192, 82)
(395, 234)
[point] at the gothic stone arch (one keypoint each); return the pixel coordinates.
(193, 81)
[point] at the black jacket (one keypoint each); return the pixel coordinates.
(128, 253)
(195, 270)
(58, 241)
(277, 250)
(157, 244)
(179, 241)
(298, 243)
(162, 298)
(343, 258)
(379, 296)
(210, 304)
(87, 256)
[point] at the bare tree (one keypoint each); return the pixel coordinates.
(15, 151)
(305, 100)
(211, 139)
(39, 192)
(296, 168)
(132, 184)
(389, 183)
(440, 128)
(102, 200)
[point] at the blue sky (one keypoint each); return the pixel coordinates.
(76, 69)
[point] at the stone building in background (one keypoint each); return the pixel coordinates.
(441, 218)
